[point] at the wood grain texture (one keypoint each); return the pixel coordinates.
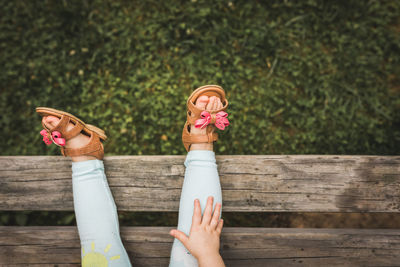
(150, 246)
(249, 183)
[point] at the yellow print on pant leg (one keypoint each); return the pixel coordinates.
(95, 259)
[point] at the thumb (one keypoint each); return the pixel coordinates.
(181, 236)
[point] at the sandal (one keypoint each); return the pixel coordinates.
(204, 118)
(59, 134)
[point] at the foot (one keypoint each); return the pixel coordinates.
(76, 142)
(209, 104)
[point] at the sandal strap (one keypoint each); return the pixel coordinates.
(93, 148)
(196, 111)
(201, 138)
(192, 120)
(62, 128)
(209, 137)
(77, 129)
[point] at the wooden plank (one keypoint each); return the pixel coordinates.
(150, 246)
(250, 183)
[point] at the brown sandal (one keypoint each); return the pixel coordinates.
(59, 134)
(204, 118)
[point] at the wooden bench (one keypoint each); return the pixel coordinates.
(249, 183)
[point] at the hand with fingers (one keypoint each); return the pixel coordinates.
(203, 239)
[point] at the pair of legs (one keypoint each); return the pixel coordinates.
(96, 213)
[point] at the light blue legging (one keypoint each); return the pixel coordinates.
(96, 213)
(201, 181)
(96, 217)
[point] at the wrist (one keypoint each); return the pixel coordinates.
(213, 260)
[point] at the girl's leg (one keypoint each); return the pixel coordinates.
(201, 181)
(96, 216)
(95, 210)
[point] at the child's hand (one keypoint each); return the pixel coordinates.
(203, 240)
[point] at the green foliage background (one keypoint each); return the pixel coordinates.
(302, 77)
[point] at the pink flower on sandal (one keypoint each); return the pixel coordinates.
(55, 138)
(221, 120)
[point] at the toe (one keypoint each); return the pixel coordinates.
(202, 102)
(50, 121)
(211, 103)
(219, 104)
(215, 103)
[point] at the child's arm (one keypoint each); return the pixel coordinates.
(203, 240)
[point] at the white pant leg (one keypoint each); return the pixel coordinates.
(201, 181)
(96, 216)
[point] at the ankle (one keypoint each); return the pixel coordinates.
(82, 158)
(202, 146)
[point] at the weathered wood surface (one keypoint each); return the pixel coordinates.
(250, 183)
(150, 246)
